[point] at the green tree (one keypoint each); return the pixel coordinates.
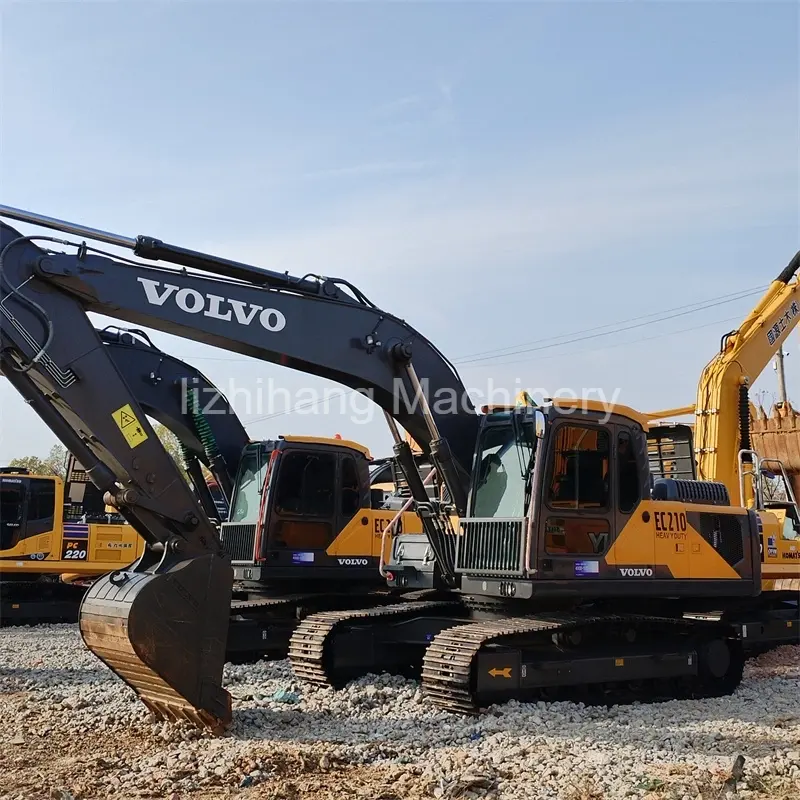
(54, 463)
(171, 444)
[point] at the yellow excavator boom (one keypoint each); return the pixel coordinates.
(722, 408)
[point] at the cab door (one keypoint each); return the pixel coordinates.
(12, 511)
(577, 516)
(303, 506)
(635, 554)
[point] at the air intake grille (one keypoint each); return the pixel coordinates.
(724, 533)
(491, 547)
(239, 540)
(703, 492)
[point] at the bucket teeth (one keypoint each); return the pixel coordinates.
(164, 635)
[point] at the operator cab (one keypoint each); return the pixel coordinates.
(563, 503)
(551, 490)
(27, 506)
(292, 498)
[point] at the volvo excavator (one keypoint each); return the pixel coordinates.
(466, 664)
(555, 563)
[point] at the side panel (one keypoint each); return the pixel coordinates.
(780, 552)
(363, 534)
(114, 545)
(689, 542)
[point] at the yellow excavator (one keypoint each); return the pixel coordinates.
(718, 446)
(48, 549)
(551, 564)
(41, 535)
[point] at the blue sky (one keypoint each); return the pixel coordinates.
(494, 173)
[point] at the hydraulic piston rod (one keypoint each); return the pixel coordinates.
(67, 227)
(156, 250)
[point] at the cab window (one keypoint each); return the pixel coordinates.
(12, 496)
(579, 471)
(351, 496)
(249, 483)
(41, 500)
(500, 488)
(306, 484)
(305, 501)
(627, 474)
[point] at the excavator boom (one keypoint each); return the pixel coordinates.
(722, 408)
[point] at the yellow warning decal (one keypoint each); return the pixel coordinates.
(500, 673)
(130, 427)
(619, 662)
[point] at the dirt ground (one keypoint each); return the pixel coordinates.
(86, 768)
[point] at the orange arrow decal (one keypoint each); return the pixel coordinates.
(500, 673)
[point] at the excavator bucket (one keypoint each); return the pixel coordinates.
(776, 434)
(164, 634)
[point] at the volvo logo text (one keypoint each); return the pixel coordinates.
(212, 305)
(636, 572)
(354, 562)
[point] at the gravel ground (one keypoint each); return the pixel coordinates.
(70, 729)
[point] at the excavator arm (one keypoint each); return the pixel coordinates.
(175, 394)
(162, 625)
(722, 409)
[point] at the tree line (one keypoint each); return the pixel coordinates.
(55, 462)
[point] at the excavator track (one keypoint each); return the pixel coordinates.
(39, 602)
(260, 627)
(310, 645)
(532, 657)
(263, 626)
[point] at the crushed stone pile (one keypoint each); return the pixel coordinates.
(69, 729)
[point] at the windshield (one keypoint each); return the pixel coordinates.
(249, 481)
(500, 490)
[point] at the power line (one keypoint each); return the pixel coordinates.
(626, 343)
(596, 335)
(690, 308)
(493, 356)
(508, 363)
(298, 407)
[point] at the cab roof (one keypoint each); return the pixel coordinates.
(578, 402)
(602, 407)
(330, 441)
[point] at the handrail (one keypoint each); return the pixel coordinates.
(393, 523)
